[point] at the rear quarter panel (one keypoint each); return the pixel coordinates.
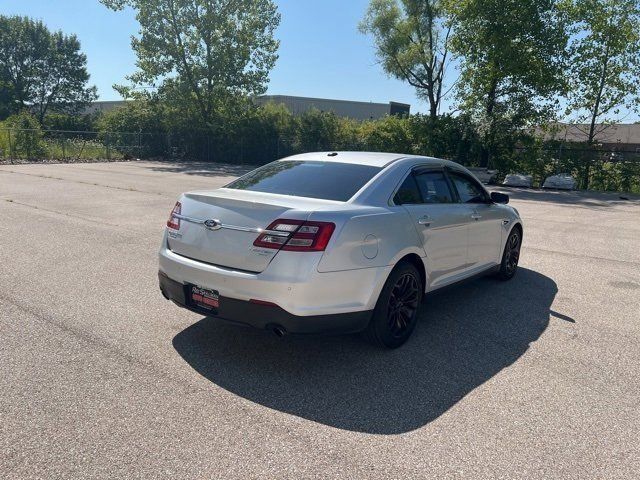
(375, 237)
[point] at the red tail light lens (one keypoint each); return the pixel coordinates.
(296, 236)
(174, 222)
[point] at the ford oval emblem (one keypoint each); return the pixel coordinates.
(213, 224)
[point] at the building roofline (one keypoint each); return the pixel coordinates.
(334, 100)
(391, 102)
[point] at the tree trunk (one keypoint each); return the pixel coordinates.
(433, 110)
(487, 145)
(484, 157)
(594, 118)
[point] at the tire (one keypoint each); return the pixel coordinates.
(510, 256)
(396, 313)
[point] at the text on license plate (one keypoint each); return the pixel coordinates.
(205, 297)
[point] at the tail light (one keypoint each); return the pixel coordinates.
(296, 236)
(174, 222)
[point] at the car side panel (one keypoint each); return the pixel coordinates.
(444, 237)
(485, 235)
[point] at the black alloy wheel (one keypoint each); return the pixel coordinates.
(396, 313)
(511, 256)
(403, 304)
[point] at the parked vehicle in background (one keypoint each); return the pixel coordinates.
(486, 176)
(562, 181)
(335, 242)
(518, 180)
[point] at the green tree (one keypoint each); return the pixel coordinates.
(41, 70)
(412, 44)
(512, 62)
(604, 72)
(201, 52)
(135, 116)
(7, 99)
(448, 136)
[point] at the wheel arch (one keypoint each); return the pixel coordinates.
(417, 262)
(518, 225)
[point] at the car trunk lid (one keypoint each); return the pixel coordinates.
(242, 215)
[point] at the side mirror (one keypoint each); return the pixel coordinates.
(497, 197)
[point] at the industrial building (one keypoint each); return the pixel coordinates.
(342, 108)
(614, 137)
(298, 105)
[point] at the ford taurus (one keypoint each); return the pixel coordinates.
(335, 242)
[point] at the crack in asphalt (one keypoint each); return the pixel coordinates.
(64, 214)
(51, 177)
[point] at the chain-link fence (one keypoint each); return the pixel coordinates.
(63, 145)
(595, 168)
(17, 144)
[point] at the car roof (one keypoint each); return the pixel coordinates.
(375, 159)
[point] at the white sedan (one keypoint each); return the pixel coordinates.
(335, 242)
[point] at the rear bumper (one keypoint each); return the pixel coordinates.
(291, 281)
(266, 317)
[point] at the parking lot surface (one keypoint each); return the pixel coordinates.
(100, 377)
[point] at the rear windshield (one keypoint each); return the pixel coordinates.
(312, 179)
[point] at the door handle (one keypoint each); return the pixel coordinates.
(476, 216)
(424, 220)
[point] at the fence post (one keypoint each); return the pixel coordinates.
(10, 148)
(560, 153)
(108, 145)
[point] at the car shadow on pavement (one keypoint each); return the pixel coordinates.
(203, 169)
(467, 334)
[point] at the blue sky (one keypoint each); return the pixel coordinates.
(322, 54)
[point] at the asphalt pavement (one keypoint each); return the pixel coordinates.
(100, 377)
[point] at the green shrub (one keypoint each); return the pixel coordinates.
(68, 122)
(244, 133)
(316, 131)
(136, 129)
(134, 116)
(389, 134)
(22, 137)
(265, 134)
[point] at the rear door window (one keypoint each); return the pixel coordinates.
(408, 193)
(308, 178)
(434, 187)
